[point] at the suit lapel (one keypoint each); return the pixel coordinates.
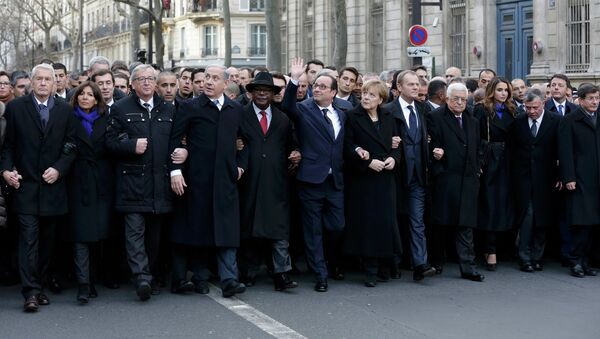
(320, 121)
(582, 116)
(452, 123)
(275, 121)
(254, 122)
(543, 127)
(33, 113)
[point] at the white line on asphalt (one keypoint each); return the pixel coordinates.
(254, 316)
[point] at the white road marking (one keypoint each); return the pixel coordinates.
(254, 316)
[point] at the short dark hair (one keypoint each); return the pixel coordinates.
(486, 70)
(58, 65)
(313, 62)
(279, 75)
(157, 67)
(4, 73)
(471, 85)
(259, 69)
(416, 67)
(351, 70)
(395, 78)
(119, 65)
(100, 73)
(122, 76)
(587, 88)
(16, 75)
(435, 87)
(560, 76)
(247, 69)
(197, 71)
(187, 69)
(331, 67)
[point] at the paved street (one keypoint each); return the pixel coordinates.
(509, 304)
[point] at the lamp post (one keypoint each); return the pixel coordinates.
(150, 32)
(81, 34)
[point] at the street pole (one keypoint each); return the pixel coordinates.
(81, 35)
(416, 20)
(150, 33)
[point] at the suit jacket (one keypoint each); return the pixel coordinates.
(320, 151)
(31, 149)
(550, 107)
(579, 159)
(533, 168)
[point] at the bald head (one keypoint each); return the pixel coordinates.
(451, 73)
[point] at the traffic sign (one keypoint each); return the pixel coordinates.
(417, 35)
(417, 52)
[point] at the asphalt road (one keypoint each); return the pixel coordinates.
(509, 304)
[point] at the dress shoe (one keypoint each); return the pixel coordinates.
(422, 271)
(54, 285)
(321, 286)
(438, 269)
(143, 290)
(474, 276)
(232, 288)
(182, 286)
(83, 293)
(490, 266)
(371, 281)
(283, 281)
(155, 287)
(590, 272)
(93, 293)
(526, 267)
(31, 304)
(202, 287)
(337, 273)
(43, 299)
(577, 271)
(538, 266)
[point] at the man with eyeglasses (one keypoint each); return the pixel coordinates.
(6, 93)
(454, 172)
(579, 159)
(138, 135)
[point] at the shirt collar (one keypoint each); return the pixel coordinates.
(151, 102)
(539, 119)
(220, 99)
(258, 110)
(111, 102)
(556, 103)
(329, 108)
(40, 102)
(404, 104)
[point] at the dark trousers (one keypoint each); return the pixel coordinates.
(581, 244)
(197, 259)
(416, 210)
(532, 239)
(142, 242)
(36, 242)
(463, 242)
(376, 265)
(322, 207)
(252, 252)
(85, 255)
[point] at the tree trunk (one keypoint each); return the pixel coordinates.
(273, 16)
(135, 32)
(227, 27)
(159, 41)
(341, 34)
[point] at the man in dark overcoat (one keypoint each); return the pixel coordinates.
(264, 189)
(579, 159)
(138, 137)
(207, 209)
(37, 153)
(454, 170)
(533, 156)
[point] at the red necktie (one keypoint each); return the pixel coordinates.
(263, 122)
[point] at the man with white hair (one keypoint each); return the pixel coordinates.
(37, 152)
(454, 171)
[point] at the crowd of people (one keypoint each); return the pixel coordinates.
(132, 172)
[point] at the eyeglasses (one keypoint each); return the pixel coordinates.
(144, 79)
(458, 99)
(4, 84)
(321, 86)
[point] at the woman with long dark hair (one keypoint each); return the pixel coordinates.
(495, 114)
(89, 185)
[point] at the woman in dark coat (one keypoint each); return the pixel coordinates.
(495, 115)
(371, 227)
(90, 185)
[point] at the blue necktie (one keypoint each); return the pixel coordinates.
(560, 110)
(328, 123)
(44, 114)
(412, 122)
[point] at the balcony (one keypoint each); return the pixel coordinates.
(209, 52)
(204, 6)
(106, 30)
(257, 51)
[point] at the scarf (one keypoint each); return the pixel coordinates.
(87, 119)
(499, 110)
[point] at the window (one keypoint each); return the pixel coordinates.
(457, 34)
(258, 40)
(252, 5)
(210, 41)
(578, 36)
(376, 36)
(181, 44)
(307, 37)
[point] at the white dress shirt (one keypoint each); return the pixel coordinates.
(406, 111)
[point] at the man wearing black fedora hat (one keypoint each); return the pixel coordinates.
(264, 189)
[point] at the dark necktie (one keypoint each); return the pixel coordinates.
(533, 128)
(412, 122)
(44, 114)
(147, 106)
(459, 119)
(560, 110)
(216, 102)
(593, 118)
(264, 124)
(328, 123)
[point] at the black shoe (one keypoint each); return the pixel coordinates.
(422, 271)
(577, 271)
(538, 266)
(143, 290)
(83, 294)
(438, 269)
(321, 286)
(93, 293)
(474, 276)
(43, 299)
(202, 287)
(337, 273)
(283, 281)
(54, 285)
(589, 272)
(155, 287)
(526, 267)
(232, 288)
(31, 304)
(371, 281)
(182, 286)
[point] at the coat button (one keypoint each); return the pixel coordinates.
(264, 155)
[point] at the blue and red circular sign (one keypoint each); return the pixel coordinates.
(417, 35)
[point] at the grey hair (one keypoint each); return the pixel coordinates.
(221, 67)
(140, 68)
(40, 67)
(534, 93)
(99, 60)
(456, 87)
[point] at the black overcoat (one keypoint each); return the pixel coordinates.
(31, 149)
(496, 211)
(579, 159)
(455, 177)
(90, 186)
(371, 227)
(264, 187)
(208, 213)
(534, 168)
(143, 183)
